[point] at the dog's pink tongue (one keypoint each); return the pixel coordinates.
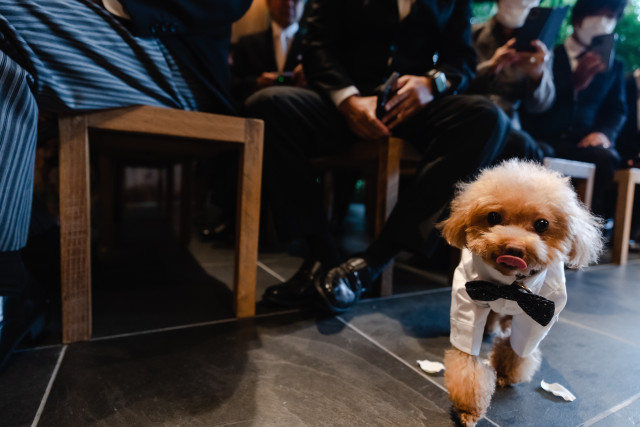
(512, 261)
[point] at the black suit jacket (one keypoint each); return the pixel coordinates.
(197, 33)
(601, 107)
(360, 42)
(254, 54)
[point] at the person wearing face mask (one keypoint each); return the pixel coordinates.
(590, 107)
(513, 79)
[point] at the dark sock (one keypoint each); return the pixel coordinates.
(324, 249)
(378, 255)
(14, 278)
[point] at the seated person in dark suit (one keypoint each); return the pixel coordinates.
(272, 56)
(351, 48)
(170, 53)
(510, 78)
(259, 60)
(590, 107)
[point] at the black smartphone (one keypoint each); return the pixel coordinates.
(285, 78)
(542, 23)
(604, 45)
(386, 92)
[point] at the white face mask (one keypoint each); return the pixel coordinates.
(513, 13)
(592, 26)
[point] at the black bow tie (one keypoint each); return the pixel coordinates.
(538, 308)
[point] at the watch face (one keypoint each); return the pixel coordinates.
(440, 82)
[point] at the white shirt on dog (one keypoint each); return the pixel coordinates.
(468, 317)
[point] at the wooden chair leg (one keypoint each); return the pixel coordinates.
(170, 193)
(186, 200)
(622, 221)
(247, 220)
(75, 231)
(386, 193)
(107, 209)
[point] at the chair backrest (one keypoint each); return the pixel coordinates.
(583, 175)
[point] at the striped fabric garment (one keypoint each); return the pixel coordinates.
(69, 55)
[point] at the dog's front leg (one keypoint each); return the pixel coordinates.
(471, 384)
(511, 368)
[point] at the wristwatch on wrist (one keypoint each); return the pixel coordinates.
(438, 82)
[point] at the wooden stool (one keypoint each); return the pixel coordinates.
(627, 180)
(153, 129)
(582, 174)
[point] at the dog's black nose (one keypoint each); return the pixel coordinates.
(514, 251)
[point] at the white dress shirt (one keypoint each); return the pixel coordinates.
(574, 49)
(468, 317)
(282, 39)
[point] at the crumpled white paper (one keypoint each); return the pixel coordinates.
(430, 367)
(558, 390)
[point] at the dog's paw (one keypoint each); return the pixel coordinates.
(510, 368)
(468, 419)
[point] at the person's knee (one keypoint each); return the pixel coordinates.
(485, 124)
(607, 161)
(268, 101)
(481, 114)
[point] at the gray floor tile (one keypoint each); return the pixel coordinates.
(273, 371)
(599, 371)
(627, 415)
(23, 384)
(606, 298)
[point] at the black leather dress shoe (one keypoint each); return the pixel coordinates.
(21, 317)
(342, 286)
(300, 290)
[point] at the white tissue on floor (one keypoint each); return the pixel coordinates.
(430, 367)
(558, 390)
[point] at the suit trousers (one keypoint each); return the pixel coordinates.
(62, 56)
(456, 135)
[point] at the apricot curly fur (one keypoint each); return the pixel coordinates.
(470, 382)
(511, 368)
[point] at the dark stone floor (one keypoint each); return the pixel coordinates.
(167, 351)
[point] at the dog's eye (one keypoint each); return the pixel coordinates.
(541, 225)
(494, 218)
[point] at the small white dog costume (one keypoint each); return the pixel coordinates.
(468, 316)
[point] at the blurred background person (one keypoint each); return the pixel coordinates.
(590, 108)
(272, 56)
(513, 79)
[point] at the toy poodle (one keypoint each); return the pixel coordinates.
(518, 224)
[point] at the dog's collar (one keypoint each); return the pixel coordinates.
(524, 276)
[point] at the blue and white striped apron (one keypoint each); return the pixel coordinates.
(62, 55)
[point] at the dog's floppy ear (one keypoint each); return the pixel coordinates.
(585, 235)
(454, 228)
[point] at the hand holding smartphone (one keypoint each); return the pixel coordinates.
(542, 23)
(386, 92)
(604, 46)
